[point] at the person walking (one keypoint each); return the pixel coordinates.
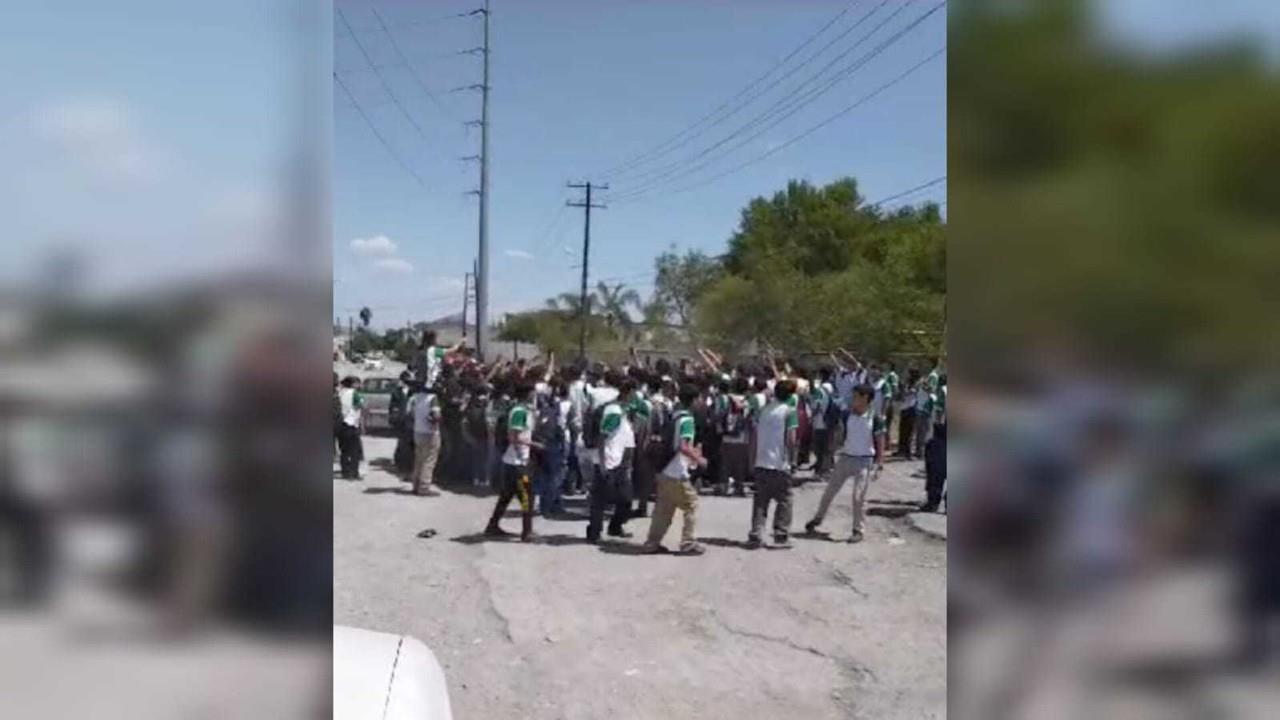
(735, 461)
(424, 409)
(674, 489)
(515, 467)
(859, 458)
(907, 416)
(935, 451)
(775, 438)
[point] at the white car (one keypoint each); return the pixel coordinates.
(384, 676)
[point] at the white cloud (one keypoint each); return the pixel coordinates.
(101, 136)
(519, 254)
(376, 246)
(395, 266)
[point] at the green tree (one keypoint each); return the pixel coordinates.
(681, 280)
(814, 268)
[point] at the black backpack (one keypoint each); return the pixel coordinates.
(548, 429)
(831, 415)
(733, 421)
(667, 439)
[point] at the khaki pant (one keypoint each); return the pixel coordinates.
(673, 494)
(847, 466)
(426, 449)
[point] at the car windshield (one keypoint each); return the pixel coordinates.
(377, 385)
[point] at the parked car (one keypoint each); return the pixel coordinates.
(387, 676)
(377, 402)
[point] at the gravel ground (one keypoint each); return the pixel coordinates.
(563, 629)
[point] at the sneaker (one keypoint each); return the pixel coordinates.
(753, 543)
(781, 542)
(496, 532)
(620, 533)
(528, 537)
(855, 538)
(692, 550)
(927, 507)
(811, 527)
(654, 550)
(428, 492)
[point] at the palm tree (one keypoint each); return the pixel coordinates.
(365, 316)
(568, 303)
(615, 304)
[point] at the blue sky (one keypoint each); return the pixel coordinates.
(151, 136)
(579, 87)
(154, 136)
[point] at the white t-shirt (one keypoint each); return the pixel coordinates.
(434, 355)
(423, 407)
(771, 436)
(860, 432)
(680, 465)
(565, 406)
(349, 399)
(616, 435)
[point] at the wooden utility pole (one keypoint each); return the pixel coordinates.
(584, 305)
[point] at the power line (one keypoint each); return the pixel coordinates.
(667, 145)
(781, 110)
(382, 79)
(779, 148)
(910, 191)
(368, 121)
(412, 24)
(412, 72)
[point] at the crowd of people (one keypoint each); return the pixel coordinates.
(657, 432)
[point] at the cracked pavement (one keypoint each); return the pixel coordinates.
(564, 630)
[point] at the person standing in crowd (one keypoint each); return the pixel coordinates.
(859, 458)
(935, 452)
(640, 415)
(397, 417)
(775, 438)
(550, 433)
(825, 412)
(616, 445)
(424, 409)
(674, 489)
(351, 409)
(515, 466)
(907, 415)
(431, 358)
(892, 388)
(924, 409)
(477, 430)
(735, 463)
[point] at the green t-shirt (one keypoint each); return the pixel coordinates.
(519, 420)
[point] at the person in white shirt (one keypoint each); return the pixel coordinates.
(424, 409)
(859, 458)
(775, 437)
(351, 410)
(612, 484)
(675, 490)
(516, 482)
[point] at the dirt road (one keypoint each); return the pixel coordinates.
(561, 629)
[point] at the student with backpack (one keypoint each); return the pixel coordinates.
(550, 432)
(614, 441)
(516, 466)
(675, 491)
(826, 415)
(640, 414)
(735, 431)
